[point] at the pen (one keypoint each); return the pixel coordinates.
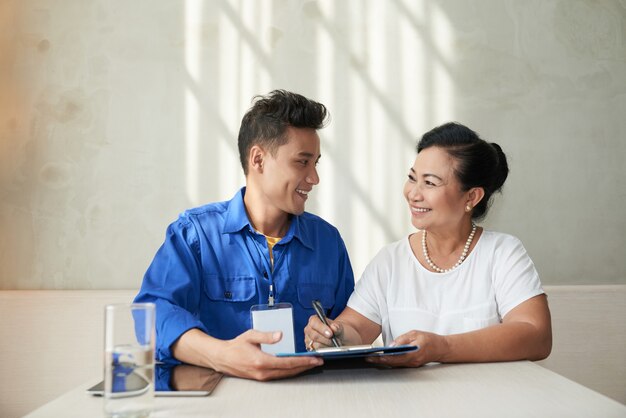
(322, 316)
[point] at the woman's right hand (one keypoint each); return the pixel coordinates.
(317, 335)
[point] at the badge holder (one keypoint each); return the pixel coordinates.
(272, 318)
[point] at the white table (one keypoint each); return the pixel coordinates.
(517, 389)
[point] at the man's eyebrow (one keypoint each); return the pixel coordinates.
(308, 154)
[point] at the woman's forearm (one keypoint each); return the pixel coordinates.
(503, 342)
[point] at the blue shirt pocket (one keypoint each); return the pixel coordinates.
(230, 289)
(307, 292)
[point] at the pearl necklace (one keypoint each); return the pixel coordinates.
(458, 263)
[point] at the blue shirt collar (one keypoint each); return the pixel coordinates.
(237, 219)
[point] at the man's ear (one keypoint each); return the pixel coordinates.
(256, 158)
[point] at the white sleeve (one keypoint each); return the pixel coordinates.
(369, 296)
(515, 278)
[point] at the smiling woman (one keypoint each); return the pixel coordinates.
(460, 293)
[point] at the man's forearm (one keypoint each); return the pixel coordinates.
(196, 347)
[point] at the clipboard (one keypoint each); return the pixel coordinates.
(331, 353)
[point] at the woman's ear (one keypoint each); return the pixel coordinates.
(475, 195)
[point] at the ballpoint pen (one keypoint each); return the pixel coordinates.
(322, 316)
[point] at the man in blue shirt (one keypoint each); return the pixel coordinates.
(220, 259)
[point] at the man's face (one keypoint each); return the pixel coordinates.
(290, 174)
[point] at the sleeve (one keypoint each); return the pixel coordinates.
(515, 277)
(369, 297)
(345, 284)
(162, 378)
(173, 284)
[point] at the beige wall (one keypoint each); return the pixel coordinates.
(117, 115)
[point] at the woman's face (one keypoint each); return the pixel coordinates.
(434, 192)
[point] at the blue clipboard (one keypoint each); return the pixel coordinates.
(353, 351)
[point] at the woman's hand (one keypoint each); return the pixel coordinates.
(349, 328)
(317, 335)
(432, 347)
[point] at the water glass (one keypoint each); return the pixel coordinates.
(129, 360)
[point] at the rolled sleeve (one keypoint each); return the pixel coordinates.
(173, 284)
(176, 321)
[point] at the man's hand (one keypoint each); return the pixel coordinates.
(431, 348)
(241, 356)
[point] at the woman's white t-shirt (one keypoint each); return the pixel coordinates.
(401, 295)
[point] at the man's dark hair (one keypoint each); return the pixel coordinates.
(266, 122)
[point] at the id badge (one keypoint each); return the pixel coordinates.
(275, 318)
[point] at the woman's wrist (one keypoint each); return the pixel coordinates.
(444, 349)
(348, 335)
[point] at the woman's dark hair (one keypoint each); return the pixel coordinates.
(479, 163)
(267, 120)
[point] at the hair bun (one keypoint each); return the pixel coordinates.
(501, 169)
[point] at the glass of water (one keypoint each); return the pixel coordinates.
(129, 360)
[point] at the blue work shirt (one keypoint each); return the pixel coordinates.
(213, 266)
